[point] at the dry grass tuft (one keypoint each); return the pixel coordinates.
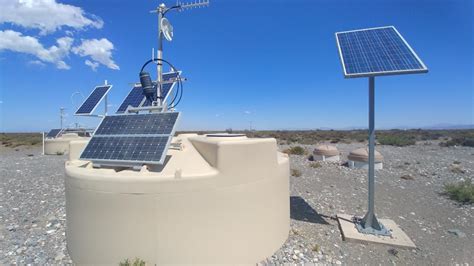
(295, 172)
(462, 192)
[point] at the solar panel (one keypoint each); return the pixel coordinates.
(127, 149)
(169, 81)
(160, 123)
(377, 51)
(53, 133)
(93, 100)
(134, 99)
(132, 140)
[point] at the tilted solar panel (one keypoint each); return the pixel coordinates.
(132, 140)
(134, 99)
(377, 51)
(93, 100)
(53, 133)
(169, 81)
(129, 149)
(159, 123)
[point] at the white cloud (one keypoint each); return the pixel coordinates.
(36, 63)
(247, 112)
(46, 15)
(17, 42)
(93, 65)
(100, 51)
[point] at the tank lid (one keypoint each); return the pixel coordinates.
(362, 155)
(326, 150)
(224, 135)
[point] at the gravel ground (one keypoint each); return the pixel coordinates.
(32, 214)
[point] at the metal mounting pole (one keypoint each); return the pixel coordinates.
(105, 101)
(43, 142)
(159, 65)
(61, 115)
(369, 224)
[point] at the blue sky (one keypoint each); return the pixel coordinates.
(272, 63)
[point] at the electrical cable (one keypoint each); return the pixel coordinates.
(180, 87)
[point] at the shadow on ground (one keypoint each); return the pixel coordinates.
(300, 210)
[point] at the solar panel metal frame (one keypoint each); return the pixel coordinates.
(170, 90)
(95, 107)
(137, 85)
(142, 103)
(424, 69)
(173, 85)
(127, 163)
(55, 136)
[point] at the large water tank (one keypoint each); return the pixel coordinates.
(60, 145)
(218, 199)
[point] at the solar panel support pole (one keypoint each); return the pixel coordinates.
(369, 224)
(105, 101)
(43, 143)
(61, 116)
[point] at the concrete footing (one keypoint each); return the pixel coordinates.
(350, 233)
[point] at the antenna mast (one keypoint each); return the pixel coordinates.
(161, 10)
(61, 115)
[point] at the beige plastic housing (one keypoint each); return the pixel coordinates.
(359, 158)
(326, 153)
(216, 200)
(60, 145)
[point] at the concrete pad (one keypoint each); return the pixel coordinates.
(350, 233)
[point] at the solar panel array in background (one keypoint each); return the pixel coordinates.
(53, 133)
(378, 51)
(93, 100)
(134, 99)
(128, 140)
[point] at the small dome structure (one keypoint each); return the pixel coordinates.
(359, 158)
(326, 153)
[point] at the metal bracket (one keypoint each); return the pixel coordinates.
(360, 225)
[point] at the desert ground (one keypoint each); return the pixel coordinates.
(409, 190)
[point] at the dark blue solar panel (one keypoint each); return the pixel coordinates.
(134, 99)
(132, 139)
(378, 51)
(171, 79)
(53, 133)
(93, 100)
(149, 124)
(130, 149)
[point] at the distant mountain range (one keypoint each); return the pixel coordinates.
(441, 126)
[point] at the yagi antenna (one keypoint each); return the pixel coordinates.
(165, 30)
(195, 4)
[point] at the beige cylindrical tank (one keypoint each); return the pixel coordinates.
(60, 145)
(359, 158)
(326, 153)
(216, 200)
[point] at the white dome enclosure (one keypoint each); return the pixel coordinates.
(326, 153)
(359, 158)
(135, 190)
